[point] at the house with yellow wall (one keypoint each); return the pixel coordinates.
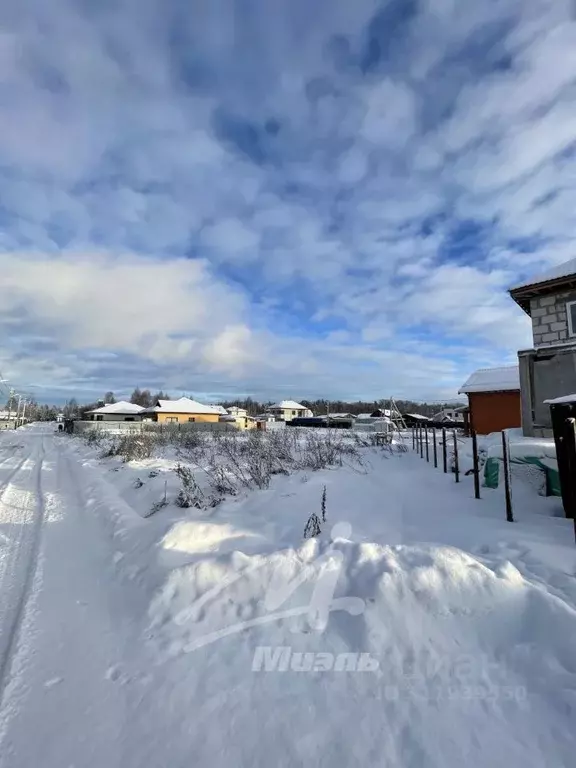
(182, 411)
(240, 417)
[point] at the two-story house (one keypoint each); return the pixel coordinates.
(549, 369)
(287, 410)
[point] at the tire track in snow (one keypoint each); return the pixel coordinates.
(5, 483)
(26, 549)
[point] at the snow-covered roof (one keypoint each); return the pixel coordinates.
(418, 416)
(563, 399)
(384, 411)
(220, 409)
(567, 269)
(122, 406)
(288, 404)
(506, 378)
(182, 405)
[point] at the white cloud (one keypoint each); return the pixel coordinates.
(158, 309)
(115, 167)
(391, 115)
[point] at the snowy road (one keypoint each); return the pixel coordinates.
(65, 628)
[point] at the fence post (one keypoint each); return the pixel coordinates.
(456, 463)
(444, 450)
(435, 447)
(427, 445)
(421, 442)
(413, 438)
(476, 464)
(507, 483)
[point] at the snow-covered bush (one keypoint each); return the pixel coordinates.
(190, 493)
(312, 527)
(110, 449)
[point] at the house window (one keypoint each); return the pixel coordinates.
(571, 313)
(293, 413)
(99, 418)
(128, 418)
(191, 418)
(172, 419)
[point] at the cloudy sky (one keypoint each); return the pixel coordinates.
(278, 197)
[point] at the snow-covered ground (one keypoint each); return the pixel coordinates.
(420, 629)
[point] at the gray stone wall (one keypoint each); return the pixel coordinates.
(549, 320)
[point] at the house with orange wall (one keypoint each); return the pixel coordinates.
(494, 399)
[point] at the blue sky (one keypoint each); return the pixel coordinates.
(278, 198)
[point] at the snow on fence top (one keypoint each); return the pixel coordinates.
(506, 378)
(182, 405)
(120, 407)
(566, 269)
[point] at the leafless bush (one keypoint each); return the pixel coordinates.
(220, 481)
(136, 447)
(93, 437)
(243, 460)
(158, 505)
(191, 443)
(326, 450)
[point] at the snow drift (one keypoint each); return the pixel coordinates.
(342, 653)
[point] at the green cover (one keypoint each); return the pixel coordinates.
(492, 473)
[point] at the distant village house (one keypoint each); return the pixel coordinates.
(181, 411)
(287, 410)
(120, 411)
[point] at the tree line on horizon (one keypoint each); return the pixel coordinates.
(145, 398)
(322, 406)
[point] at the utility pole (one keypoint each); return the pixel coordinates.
(10, 398)
(18, 411)
(24, 410)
